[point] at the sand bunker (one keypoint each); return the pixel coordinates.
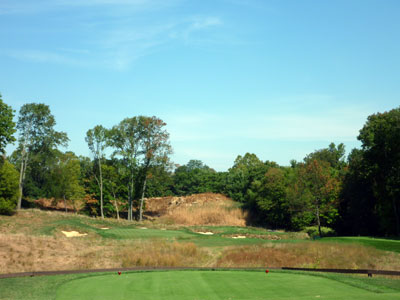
(239, 237)
(73, 233)
(104, 228)
(206, 233)
(143, 227)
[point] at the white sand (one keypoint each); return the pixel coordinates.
(239, 237)
(73, 233)
(206, 233)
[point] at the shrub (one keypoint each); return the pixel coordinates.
(312, 231)
(8, 188)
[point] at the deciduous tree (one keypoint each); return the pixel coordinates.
(36, 136)
(96, 139)
(7, 126)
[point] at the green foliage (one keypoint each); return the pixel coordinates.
(7, 126)
(36, 153)
(372, 191)
(8, 187)
(270, 197)
(36, 128)
(65, 178)
(380, 139)
(313, 231)
(194, 178)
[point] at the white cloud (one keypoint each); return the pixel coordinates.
(42, 57)
(40, 6)
(340, 124)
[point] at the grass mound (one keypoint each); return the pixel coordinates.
(212, 285)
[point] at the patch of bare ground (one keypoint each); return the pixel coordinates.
(200, 209)
(309, 255)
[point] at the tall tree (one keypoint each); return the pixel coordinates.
(125, 138)
(317, 189)
(97, 142)
(334, 155)
(36, 135)
(7, 126)
(269, 194)
(65, 175)
(154, 149)
(380, 139)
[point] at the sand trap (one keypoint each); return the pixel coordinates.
(104, 228)
(239, 237)
(206, 233)
(73, 233)
(143, 227)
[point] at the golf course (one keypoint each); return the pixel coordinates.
(183, 262)
(201, 285)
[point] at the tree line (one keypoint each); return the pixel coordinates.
(355, 195)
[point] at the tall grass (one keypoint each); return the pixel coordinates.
(309, 255)
(163, 254)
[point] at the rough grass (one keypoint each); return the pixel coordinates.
(309, 255)
(164, 254)
(378, 243)
(32, 241)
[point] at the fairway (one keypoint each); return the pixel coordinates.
(210, 285)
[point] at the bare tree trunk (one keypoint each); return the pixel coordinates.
(130, 218)
(142, 200)
(396, 215)
(65, 204)
(24, 161)
(115, 201)
(101, 191)
(21, 172)
(116, 207)
(318, 222)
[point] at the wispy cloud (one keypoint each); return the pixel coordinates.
(321, 125)
(117, 33)
(40, 6)
(42, 57)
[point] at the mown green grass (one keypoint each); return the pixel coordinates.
(378, 243)
(202, 285)
(122, 231)
(222, 234)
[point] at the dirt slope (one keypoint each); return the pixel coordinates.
(198, 209)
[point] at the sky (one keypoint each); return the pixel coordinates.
(278, 78)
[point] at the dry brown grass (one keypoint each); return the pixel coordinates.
(201, 209)
(21, 253)
(309, 255)
(164, 254)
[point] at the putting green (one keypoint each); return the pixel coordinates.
(210, 285)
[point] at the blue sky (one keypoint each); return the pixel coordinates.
(276, 78)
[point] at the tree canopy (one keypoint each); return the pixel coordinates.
(7, 126)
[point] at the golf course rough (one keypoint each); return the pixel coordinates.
(212, 285)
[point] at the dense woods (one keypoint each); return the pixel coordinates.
(357, 195)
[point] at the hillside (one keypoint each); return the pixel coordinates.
(195, 231)
(199, 209)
